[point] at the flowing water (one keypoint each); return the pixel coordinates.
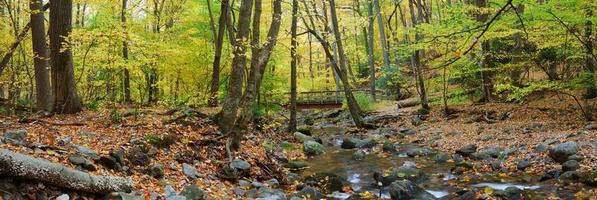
(441, 184)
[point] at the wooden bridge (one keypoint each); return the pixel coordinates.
(330, 99)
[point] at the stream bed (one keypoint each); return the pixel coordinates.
(441, 183)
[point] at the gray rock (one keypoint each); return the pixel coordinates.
(523, 164)
(387, 131)
(366, 143)
(494, 152)
(170, 194)
(388, 147)
(467, 150)
(257, 184)
(190, 171)
(138, 156)
(410, 172)
(327, 182)
(273, 182)
(576, 157)
(570, 175)
(156, 170)
(65, 141)
(77, 160)
(240, 164)
(562, 151)
(266, 194)
(457, 158)
(17, 137)
(192, 192)
(302, 137)
(540, 148)
(571, 165)
(349, 143)
(591, 126)
(63, 197)
(513, 192)
(589, 178)
(123, 196)
(313, 148)
(406, 190)
(295, 165)
(309, 193)
(239, 192)
(416, 120)
(418, 151)
(87, 152)
(244, 184)
(410, 132)
(110, 162)
(441, 158)
(481, 156)
(358, 155)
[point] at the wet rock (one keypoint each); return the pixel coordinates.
(17, 137)
(388, 147)
(272, 182)
(540, 148)
(296, 165)
(417, 151)
(366, 143)
(457, 158)
(441, 158)
(467, 150)
(349, 143)
(309, 193)
(192, 192)
(522, 165)
(63, 197)
(302, 137)
(571, 165)
(325, 182)
(513, 192)
(576, 157)
(306, 130)
(122, 196)
(266, 193)
(411, 173)
(570, 175)
(313, 148)
(156, 170)
(589, 178)
(406, 190)
(562, 151)
(358, 155)
(551, 174)
(190, 171)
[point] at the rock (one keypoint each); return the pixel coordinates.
(570, 175)
(292, 177)
(410, 132)
(313, 148)
(325, 182)
(273, 182)
(309, 120)
(461, 167)
(591, 126)
(65, 141)
(406, 190)
(467, 150)
(388, 147)
(540, 148)
(306, 130)
(122, 196)
(457, 158)
(192, 192)
(170, 194)
(513, 192)
(296, 165)
(349, 143)
(309, 193)
(266, 194)
(239, 192)
(110, 162)
(417, 151)
(562, 151)
(138, 156)
(576, 157)
(244, 183)
(190, 171)
(571, 165)
(522, 165)
(496, 165)
(63, 197)
(77, 160)
(494, 152)
(416, 120)
(441, 158)
(302, 137)
(240, 164)
(387, 131)
(17, 137)
(407, 171)
(366, 143)
(589, 178)
(481, 156)
(551, 174)
(358, 155)
(87, 152)
(156, 170)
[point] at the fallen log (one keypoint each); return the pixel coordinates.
(27, 167)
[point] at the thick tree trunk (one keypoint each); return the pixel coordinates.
(66, 99)
(589, 58)
(23, 166)
(41, 58)
(293, 61)
(125, 56)
(370, 51)
(227, 118)
(485, 62)
(215, 73)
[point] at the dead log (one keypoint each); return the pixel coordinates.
(27, 167)
(409, 102)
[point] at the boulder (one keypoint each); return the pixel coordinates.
(304, 130)
(137, 155)
(481, 156)
(87, 152)
(406, 190)
(366, 143)
(309, 193)
(589, 178)
(441, 158)
(467, 150)
(411, 173)
(302, 137)
(190, 171)
(358, 155)
(570, 175)
(418, 151)
(571, 165)
(156, 170)
(15, 137)
(349, 143)
(522, 165)
(325, 182)
(110, 162)
(313, 148)
(192, 192)
(266, 193)
(562, 151)
(296, 165)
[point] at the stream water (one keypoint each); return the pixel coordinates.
(441, 183)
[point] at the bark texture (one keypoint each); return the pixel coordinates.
(43, 91)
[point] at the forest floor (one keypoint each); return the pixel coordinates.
(188, 136)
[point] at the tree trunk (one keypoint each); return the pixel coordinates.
(589, 59)
(66, 99)
(40, 50)
(215, 74)
(23, 166)
(293, 61)
(353, 106)
(416, 57)
(370, 50)
(230, 107)
(485, 62)
(125, 56)
(382, 35)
